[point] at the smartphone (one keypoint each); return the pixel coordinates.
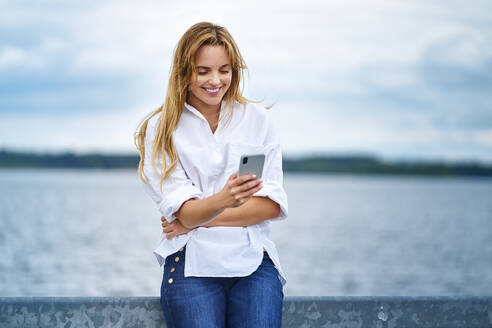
(251, 164)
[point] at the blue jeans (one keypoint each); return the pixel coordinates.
(233, 302)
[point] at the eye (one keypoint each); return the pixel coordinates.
(202, 73)
(225, 72)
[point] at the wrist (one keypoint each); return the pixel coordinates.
(221, 201)
(213, 206)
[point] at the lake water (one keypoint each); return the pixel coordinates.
(91, 233)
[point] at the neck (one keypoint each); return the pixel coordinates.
(204, 108)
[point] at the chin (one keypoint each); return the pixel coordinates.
(213, 100)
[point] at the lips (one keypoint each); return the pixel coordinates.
(212, 91)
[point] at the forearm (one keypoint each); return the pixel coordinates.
(198, 212)
(236, 192)
(255, 210)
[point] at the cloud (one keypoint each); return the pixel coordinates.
(109, 132)
(484, 137)
(321, 128)
(406, 77)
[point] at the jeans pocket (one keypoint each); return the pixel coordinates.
(266, 258)
(267, 261)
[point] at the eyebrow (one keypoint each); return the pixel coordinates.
(206, 67)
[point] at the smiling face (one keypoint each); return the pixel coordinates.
(212, 79)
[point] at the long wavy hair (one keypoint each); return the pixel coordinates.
(183, 67)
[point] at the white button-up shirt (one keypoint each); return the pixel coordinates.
(206, 160)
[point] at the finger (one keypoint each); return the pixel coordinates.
(233, 176)
(163, 219)
(242, 179)
(250, 192)
(167, 229)
(170, 235)
(246, 177)
(246, 186)
(250, 184)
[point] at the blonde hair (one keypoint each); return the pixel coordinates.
(183, 67)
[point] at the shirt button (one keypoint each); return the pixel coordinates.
(277, 277)
(170, 280)
(176, 259)
(172, 269)
(181, 249)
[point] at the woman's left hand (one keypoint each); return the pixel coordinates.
(174, 228)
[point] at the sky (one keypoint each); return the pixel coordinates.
(395, 79)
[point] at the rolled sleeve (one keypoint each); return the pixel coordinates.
(176, 189)
(273, 173)
(276, 193)
(172, 202)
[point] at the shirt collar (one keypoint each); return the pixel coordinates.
(199, 114)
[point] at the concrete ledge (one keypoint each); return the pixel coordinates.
(297, 312)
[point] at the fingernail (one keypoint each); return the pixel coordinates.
(254, 176)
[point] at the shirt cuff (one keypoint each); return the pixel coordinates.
(275, 192)
(173, 201)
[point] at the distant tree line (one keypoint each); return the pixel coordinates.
(313, 164)
(67, 160)
(372, 165)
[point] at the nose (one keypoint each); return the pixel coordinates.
(214, 79)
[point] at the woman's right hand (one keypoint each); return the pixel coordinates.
(238, 190)
(175, 228)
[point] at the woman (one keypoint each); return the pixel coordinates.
(220, 267)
